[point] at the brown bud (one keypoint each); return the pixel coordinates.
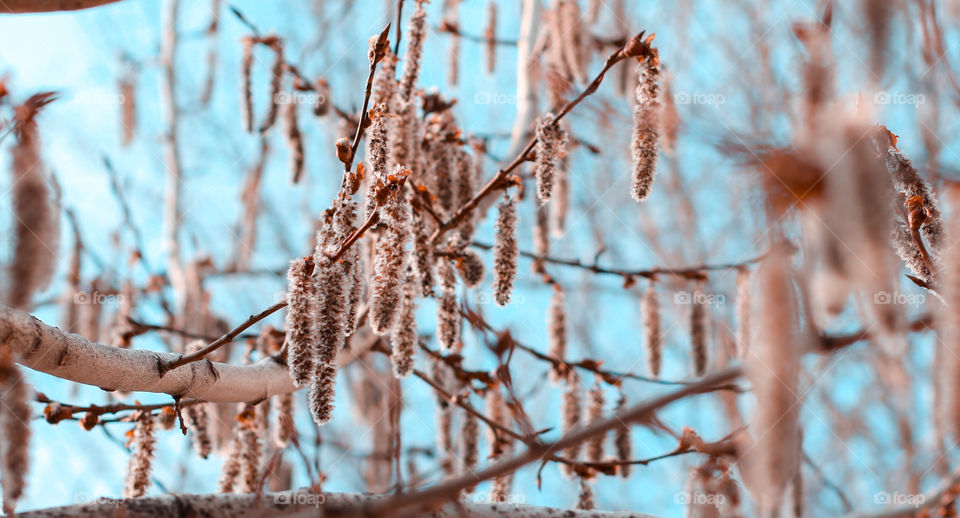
(344, 151)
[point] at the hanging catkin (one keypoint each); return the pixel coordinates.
(128, 100)
(276, 82)
(557, 333)
(198, 417)
(469, 437)
(490, 37)
(301, 322)
(505, 251)
(948, 328)
(246, 88)
(621, 440)
(416, 33)
(572, 411)
(251, 457)
(551, 146)
(743, 312)
(15, 396)
(448, 314)
(908, 181)
(391, 256)
(541, 239)
(594, 415)
(452, 23)
(646, 128)
(585, 500)
(293, 137)
(423, 265)
(465, 170)
(470, 267)
(499, 442)
(332, 278)
(403, 337)
(653, 340)
(698, 331)
(35, 227)
(322, 393)
(141, 456)
(561, 198)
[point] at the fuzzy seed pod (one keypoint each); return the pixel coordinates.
(293, 137)
(322, 393)
(698, 332)
(496, 411)
(35, 220)
(551, 146)
(572, 411)
(646, 128)
(469, 436)
(385, 85)
(653, 339)
(594, 415)
(416, 33)
(276, 82)
(909, 252)
(505, 251)
(15, 418)
(251, 457)
(423, 264)
(490, 37)
(141, 457)
(470, 267)
(301, 321)
(622, 442)
(908, 181)
(230, 471)
(332, 278)
(246, 85)
(448, 314)
(284, 429)
(403, 337)
(743, 312)
(585, 501)
(198, 417)
(391, 256)
(557, 332)
(465, 171)
(571, 38)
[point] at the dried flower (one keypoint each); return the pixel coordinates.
(646, 128)
(448, 314)
(391, 256)
(15, 418)
(698, 332)
(557, 333)
(246, 92)
(322, 393)
(505, 251)
(653, 340)
(403, 337)
(141, 456)
(551, 146)
(594, 415)
(301, 323)
(621, 440)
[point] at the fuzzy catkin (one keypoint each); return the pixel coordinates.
(561, 198)
(251, 457)
(141, 458)
(622, 441)
(470, 267)
(403, 336)
(276, 81)
(495, 407)
(698, 332)
(653, 339)
(377, 153)
(551, 146)
(572, 411)
(332, 278)
(284, 428)
(423, 263)
(448, 314)
(15, 418)
(908, 181)
(391, 255)
(465, 171)
(907, 249)
(585, 500)
(469, 437)
(557, 332)
(293, 137)
(505, 251)
(322, 393)
(246, 85)
(198, 417)
(416, 33)
(301, 320)
(230, 471)
(35, 238)
(594, 415)
(490, 35)
(743, 312)
(646, 129)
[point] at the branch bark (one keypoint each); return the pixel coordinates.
(48, 6)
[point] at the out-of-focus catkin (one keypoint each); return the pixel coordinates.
(551, 146)
(505, 251)
(622, 441)
(698, 331)
(403, 337)
(301, 321)
(284, 428)
(276, 82)
(646, 128)
(557, 333)
(391, 256)
(246, 85)
(652, 336)
(594, 415)
(15, 417)
(141, 457)
(448, 314)
(416, 33)
(293, 136)
(490, 37)
(743, 311)
(572, 412)
(469, 443)
(585, 500)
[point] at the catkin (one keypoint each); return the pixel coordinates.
(416, 33)
(403, 337)
(653, 339)
(557, 333)
(322, 393)
(294, 137)
(561, 198)
(622, 442)
(585, 500)
(128, 104)
(246, 85)
(646, 130)
(541, 239)
(496, 411)
(572, 411)
(448, 314)
(551, 146)
(391, 256)
(230, 471)
(284, 429)
(15, 417)
(332, 288)
(909, 253)
(198, 417)
(141, 457)
(908, 181)
(423, 264)
(251, 457)
(276, 81)
(594, 415)
(301, 321)
(35, 220)
(698, 332)
(743, 312)
(505, 251)
(469, 436)
(470, 267)
(465, 171)
(490, 37)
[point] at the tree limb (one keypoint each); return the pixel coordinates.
(49, 6)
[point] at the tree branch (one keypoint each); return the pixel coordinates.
(48, 6)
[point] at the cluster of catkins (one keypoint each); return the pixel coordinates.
(572, 410)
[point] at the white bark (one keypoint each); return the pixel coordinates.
(290, 503)
(44, 6)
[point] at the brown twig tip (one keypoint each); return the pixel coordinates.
(639, 47)
(379, 45)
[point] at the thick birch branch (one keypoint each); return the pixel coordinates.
(48, 6)
(49, 350)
